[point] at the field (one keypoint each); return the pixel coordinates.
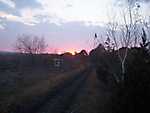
(38, 89)
(45, 83)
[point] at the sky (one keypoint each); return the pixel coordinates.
(67, 25)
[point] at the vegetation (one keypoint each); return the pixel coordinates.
(121, 64)
(30, 44)
(24, 84)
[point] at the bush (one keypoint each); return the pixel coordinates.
(133, 95)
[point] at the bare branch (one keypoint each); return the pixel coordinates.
(30, 44)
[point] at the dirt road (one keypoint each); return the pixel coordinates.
(81, 94)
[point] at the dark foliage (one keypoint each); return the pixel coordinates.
(106, 64)
(133, 95)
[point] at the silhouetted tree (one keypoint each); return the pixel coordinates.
(134, 95)
(144, 42)
(127, 33)
(109, 45)
(30, 44)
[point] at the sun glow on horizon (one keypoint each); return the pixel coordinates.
(73, 52)
(58, 51)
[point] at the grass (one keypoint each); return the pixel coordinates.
(28, 85)
(92, 98)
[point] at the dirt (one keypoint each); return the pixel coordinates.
(81, 93)
(93, 98)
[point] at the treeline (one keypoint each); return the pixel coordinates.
(132, 94)
(22, 61)
(122, 61)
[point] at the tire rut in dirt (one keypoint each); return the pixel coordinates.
(39, 103)
(62, 101)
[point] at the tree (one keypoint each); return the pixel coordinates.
(30, 44)
(126, 33)
(144, 42)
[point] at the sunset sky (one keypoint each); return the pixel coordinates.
(67, 25)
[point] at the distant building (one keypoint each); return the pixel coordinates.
(58, 62)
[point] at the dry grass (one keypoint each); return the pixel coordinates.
(93, 97)
(27, 89)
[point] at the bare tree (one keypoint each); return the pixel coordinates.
(124, 35)
(128, 33)
(145, 43)
(30, 44)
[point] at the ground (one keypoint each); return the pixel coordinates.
(73, 91)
